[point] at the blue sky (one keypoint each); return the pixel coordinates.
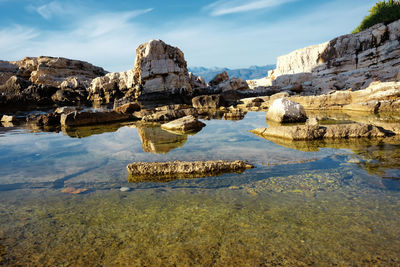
(223, 33)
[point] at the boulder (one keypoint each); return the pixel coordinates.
(91, 118)
(161, 68)
(128, 108)
(286, 111)
(140, 171)
(185, 124)
(208, 101)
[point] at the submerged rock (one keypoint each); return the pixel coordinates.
(185, 124)
(189, 169)
(284, 110)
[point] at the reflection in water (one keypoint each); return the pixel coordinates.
(86, 131)
(156, 140)
(379, 156)
(325, 211)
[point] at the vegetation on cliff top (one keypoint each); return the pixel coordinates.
(381, 12)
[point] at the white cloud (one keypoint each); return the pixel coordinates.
(51, 9)
(225, 7)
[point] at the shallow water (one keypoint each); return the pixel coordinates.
(309, 203)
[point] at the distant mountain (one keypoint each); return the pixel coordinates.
(253, 72)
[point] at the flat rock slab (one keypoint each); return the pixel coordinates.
(166, 171)
(91, 118)
(316, 132)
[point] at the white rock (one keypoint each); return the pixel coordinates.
(284, 110)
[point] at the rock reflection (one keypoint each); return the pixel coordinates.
(378, 156)
(156, 140)
(86, 131)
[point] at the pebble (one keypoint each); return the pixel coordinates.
(124, 189)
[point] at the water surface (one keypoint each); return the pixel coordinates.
(306, 203)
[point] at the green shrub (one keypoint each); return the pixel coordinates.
(382, 12)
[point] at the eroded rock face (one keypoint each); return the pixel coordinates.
(112, 86)
(46, 80)
(161, 68)
(51, 71)
(284, 111)
(185, 124)
(349, 61)
(183, 169)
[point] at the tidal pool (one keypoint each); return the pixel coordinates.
(306, 203)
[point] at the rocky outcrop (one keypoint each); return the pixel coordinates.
(161, 68)
(91, 118)
(112, 86)
(185, 124)
(377, 97)
(58, 72)
(286, 111)
(161, 170)
(315, 132)
(46, 80)
(349, 61)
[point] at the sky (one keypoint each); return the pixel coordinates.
(221, 33)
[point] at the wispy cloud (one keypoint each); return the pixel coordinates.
(225, 7)
(51, 9)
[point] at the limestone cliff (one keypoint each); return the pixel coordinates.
(349, 61)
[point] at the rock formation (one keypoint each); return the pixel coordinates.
(141, 171)
(316, 132)
(349, 61)
(46, 80)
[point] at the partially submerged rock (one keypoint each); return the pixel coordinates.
(284, 111)
(128, 108)
(169, 115)
(142, 171)
(315, 132)
(91, 118)
(185, 124)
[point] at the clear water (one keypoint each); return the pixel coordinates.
(307, 203)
